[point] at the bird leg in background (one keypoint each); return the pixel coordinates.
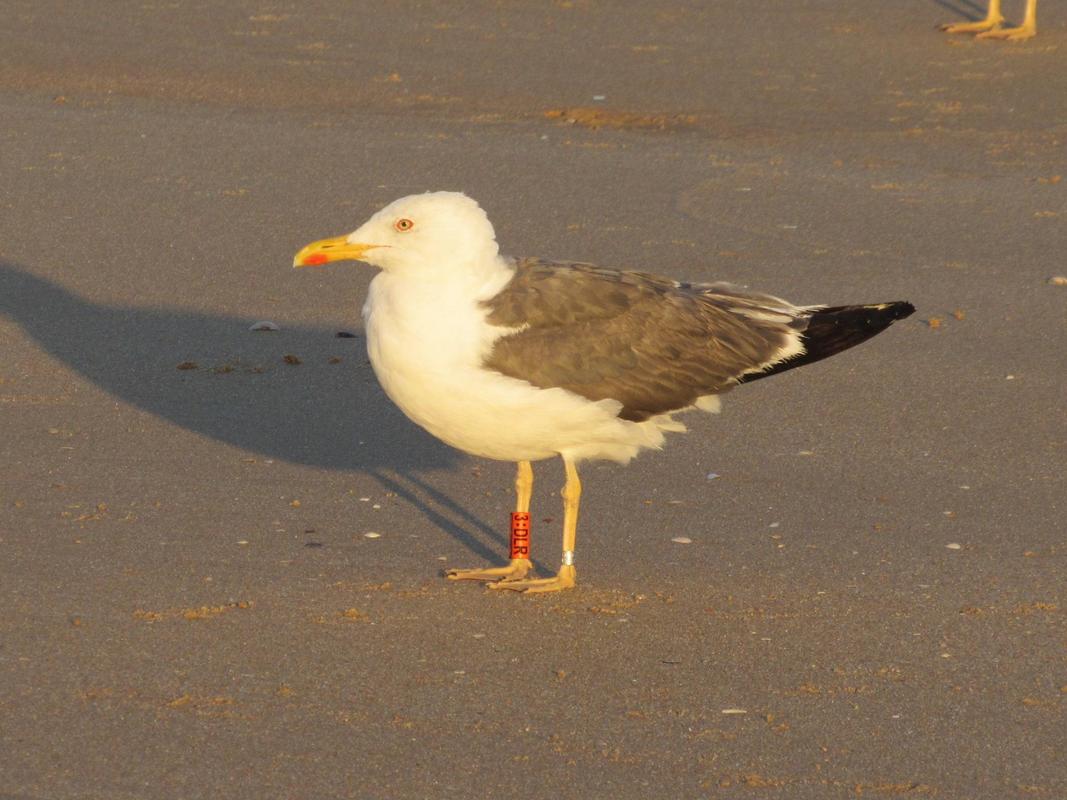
(1025, 31)
(992, 21)
(520, 536)
(565, 578)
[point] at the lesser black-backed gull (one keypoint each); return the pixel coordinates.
(525, 359)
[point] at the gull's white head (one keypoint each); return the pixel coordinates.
(420, 234)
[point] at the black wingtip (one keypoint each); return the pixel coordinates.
(899, 309)
(832, 330)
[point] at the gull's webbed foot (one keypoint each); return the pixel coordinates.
(1019, 34)
(972, 27)
(565, 579)
(516, 570)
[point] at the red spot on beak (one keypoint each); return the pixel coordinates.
(315, 259)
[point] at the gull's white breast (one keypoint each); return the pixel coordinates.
(427, 342)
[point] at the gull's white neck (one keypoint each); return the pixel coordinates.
(432, 322)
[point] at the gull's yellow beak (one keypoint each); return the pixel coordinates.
(326, 250)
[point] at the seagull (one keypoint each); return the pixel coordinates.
(524, 359)
(990, 27)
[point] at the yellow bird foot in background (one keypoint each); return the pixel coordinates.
(564, 580)
(1019, 34)
(972, 27)
(514, 571)
(991, 26)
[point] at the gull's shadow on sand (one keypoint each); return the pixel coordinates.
(968, 10)
(241, 391)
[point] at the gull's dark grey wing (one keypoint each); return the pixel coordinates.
(653, 344)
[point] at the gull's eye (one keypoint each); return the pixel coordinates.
(403, 224)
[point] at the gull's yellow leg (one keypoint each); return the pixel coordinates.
(1027, 30)
(565, 578)
(520, 547)
(993, 20)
